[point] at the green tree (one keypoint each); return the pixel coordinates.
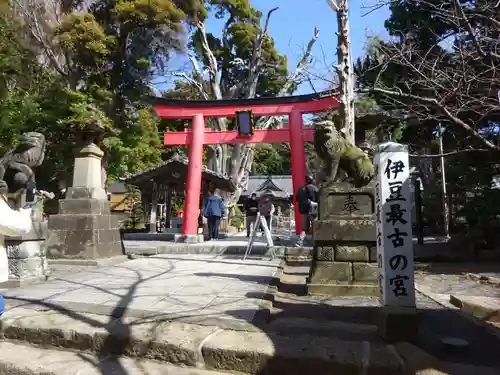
(271, 160)
(103, 57)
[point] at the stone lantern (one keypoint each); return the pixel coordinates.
(87, 174)
(84, 228)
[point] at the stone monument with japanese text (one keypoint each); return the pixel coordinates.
(398, 320)
(344, 255)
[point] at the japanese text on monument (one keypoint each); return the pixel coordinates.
(393, 223)
(350, 204)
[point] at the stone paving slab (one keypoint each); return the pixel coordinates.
(203, 289)
(448, 280)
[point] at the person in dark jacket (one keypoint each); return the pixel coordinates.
(213, 211)
(251, 209)
(307, 199)
(266, 209)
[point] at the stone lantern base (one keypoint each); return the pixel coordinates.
(84, 228)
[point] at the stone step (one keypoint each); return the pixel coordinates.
(251, 352)
(22, 359)
(356, 314)
(45, 342)
(342, 330)
(222, 247)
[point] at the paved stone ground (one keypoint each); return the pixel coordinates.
(213, 290)
(188, 287)
(439, 317)
(439, 281)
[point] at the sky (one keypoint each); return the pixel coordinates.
(292, 26)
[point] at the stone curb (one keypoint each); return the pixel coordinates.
(201, 346)
(218, 249)
(21, 359)
(264, 311)
(88, 262)
(477, 309)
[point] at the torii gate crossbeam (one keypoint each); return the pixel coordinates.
(292, 106)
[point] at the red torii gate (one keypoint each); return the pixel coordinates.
(293, 106)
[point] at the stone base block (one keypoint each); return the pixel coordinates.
(26, 268)
(84, 206)
(343, 272)
(189, 238)
(337, 290)
(396, 324)
(341, 229)
(343, 278)
(84, 229)
(27, 258)
(363, 252)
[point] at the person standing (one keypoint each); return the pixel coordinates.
(213, 211)
(251, 209)
(307, 198)
(266, 209)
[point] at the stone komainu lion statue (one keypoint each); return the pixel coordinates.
(16, 166)
(338, 154)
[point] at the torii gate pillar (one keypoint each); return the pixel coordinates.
(194, 174)
(298, 156)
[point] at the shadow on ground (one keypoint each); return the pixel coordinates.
(436, 323)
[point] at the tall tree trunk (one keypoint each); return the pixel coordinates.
(236, 161)
(345, 69)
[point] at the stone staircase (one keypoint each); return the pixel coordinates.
(302, 335)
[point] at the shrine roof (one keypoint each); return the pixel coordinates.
(173, 172)
(281, 186)
(154, 100)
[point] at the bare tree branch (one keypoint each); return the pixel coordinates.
(333, 5)
(436, 104)
(30, 12)
(256, 61)
(213, 67)
(457, 152)
(458, 85)
(301, 64)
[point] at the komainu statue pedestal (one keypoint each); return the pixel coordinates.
(27, 253)
(344, 236)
